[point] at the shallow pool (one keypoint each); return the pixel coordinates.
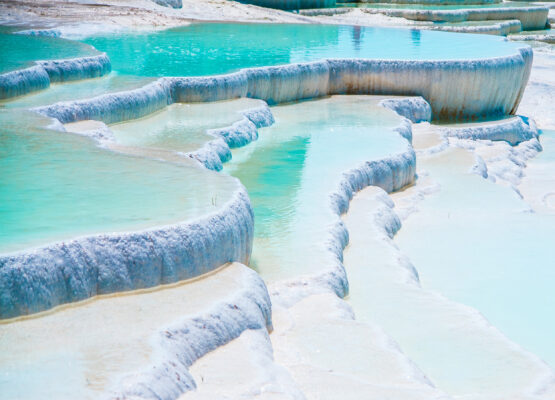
(56, 186)
(181, 127)
(479, 243)
(458, 350)
(293, 168)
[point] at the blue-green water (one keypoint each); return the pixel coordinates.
(56, 186)
(205, 49)
(293, 168)
(19, 51)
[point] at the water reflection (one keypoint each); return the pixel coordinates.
(415, 37)
(357, 37)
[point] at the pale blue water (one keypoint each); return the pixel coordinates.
(181, 127)
(478, 243)
(293, 168)
(547, 157)
(205, 49)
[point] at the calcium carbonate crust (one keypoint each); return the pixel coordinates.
(542, 37)
(501, 28)
(456, 90)
(532, 17)
(501, 151)
(416, 109)
(212, 154)
(178, 346)
(39, 76)
(39, 279)
(49, 32)
(218, 151)
(512, 130)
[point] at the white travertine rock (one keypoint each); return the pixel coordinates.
(500, 28)
(23, 81)
(216, 152)
(532, 17)
(454, 89)
(416, 109)
(137, 345)
(512, 130)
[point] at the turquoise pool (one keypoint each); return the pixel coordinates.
(19, 51)
(206, 49)
(56, 186)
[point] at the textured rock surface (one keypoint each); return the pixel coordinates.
(533, 17)
(23, 81)
(43, 278)
(455, 89)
